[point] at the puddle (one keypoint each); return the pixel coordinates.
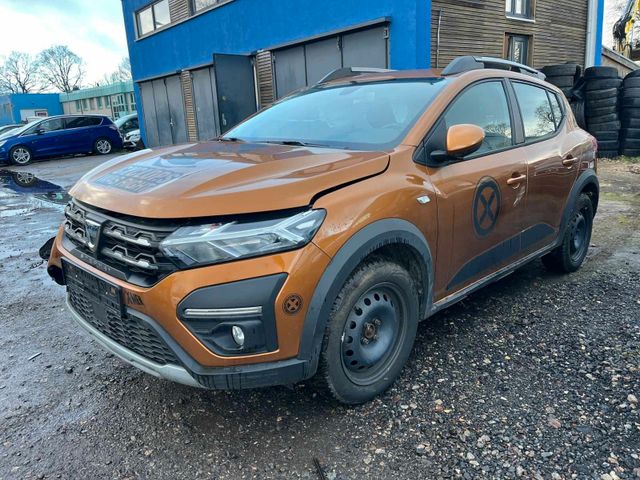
(40, 191)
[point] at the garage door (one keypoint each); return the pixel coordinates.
(164, 113)
(305, 64)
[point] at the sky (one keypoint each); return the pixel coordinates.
(93, 29)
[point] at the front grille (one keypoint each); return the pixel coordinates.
(129, 245)
(124, 329)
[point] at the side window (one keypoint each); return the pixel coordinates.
(537, 115)
(52, 125)
(486, 106)
(558, 114)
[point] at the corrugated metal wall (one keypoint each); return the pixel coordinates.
(264, 73)
(478, 27)
(190, 112)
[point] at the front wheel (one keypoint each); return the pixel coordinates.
(102, 146)
(569, 255)
(20, 155)
(371, 331)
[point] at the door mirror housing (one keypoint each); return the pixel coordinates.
(39, 131)
(464, 139)
(461, 140)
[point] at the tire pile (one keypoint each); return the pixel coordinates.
(602, 89)
(630, 115)
(563, 76)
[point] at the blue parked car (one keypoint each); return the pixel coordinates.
(60, 135)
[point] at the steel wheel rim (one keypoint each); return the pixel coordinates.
(373, 334)
(578, 241)
(21, 156)
(104, 146)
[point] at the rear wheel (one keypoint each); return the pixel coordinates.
(371, 331)
(20, 155)
(102, 146)
(570, 254)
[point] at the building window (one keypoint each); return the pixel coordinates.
(99, 102)
(518, 48)
(85, 104)
(133, 101)
(519, 8)
(198, 5)
(107, 101)
(92, 102)
(78, 106)
(153, 17)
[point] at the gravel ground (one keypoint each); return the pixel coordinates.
(536, 376)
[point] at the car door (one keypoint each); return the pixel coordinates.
(44, 138)
(552, 165)
(481, 198)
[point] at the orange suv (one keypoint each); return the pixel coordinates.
(312, 238)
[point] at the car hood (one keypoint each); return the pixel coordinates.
(220, 178)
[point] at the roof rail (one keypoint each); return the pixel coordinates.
(350, 72)
(467, 63)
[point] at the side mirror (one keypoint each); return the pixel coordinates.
(462, 140)
(39, 131)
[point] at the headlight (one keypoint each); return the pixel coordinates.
(221, 242)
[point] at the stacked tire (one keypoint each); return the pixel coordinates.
(630, 115)
(563, 76)
(602, 92)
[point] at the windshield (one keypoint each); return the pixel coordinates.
(356, 116)
(18, 131)
(121, 121)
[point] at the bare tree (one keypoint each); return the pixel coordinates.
(20, 73)
(122, 74)
(61, 68)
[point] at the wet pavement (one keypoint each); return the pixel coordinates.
(537, 376)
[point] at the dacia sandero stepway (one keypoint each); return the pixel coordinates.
(311, 239)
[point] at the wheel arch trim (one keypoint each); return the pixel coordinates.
(367, 240)
(587, 178)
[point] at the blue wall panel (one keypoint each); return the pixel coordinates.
(28, 101)
(244, 26)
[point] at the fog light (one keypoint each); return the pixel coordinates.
(238, 335)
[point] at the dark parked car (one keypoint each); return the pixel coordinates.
(60, 135)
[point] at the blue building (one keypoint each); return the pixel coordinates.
(18, 107)
(201, 66)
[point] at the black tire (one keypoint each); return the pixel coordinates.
(601, 111)
(630, 133)
(102, 146)
(631, 122)
(631, 92)
(378, 290)
(609, 117)
(20, 155)
(577, 106)
(630, 102)
(603, 84)
(608, 154)
(629, 144)
(564, 69)
(605, 136)
(633, 74)
(604, 127)
(608, 145)
(600, 94)
(633, 82)
(630, 153)
(568, 257)
(602, 102)
(601, 72)
(630, 112)
(568, 92)
(562, 82)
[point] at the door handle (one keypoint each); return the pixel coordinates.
(516, 180)
(569, 160)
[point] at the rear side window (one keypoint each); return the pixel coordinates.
(80, 122)
(486, 106)
(558, 113)
(537, 115)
